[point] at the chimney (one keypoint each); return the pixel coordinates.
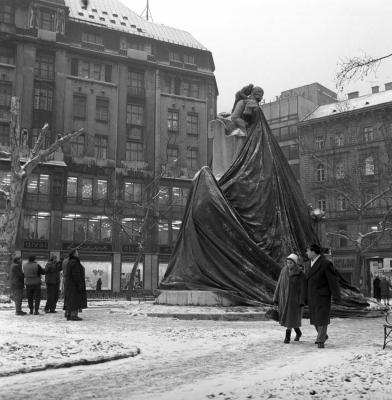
(352, 95)
(388, 86)
(375, 89)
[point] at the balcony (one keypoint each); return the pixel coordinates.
(93, 46)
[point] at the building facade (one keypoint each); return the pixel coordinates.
(345, 163)
(143, 93)
(287, 110)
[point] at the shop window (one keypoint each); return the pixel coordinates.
(126, 270)
(133, 192)
(192, 124)
(101, 147)
(162, 267)
(98, 269)
(79, 106)
(172, 121)
(36, 226)
(44, 66)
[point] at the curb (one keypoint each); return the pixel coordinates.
(214, 317)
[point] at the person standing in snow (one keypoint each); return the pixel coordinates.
(322, 284)
(377, 289)
(52, 280)
(385, 285)
(75, 298)
(17, 284)
(289, 297)
(32, 273)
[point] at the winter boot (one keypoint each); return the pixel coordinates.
(288, 335)
(298, 334)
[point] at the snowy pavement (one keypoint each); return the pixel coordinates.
(189, 359)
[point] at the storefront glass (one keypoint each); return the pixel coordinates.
(95, 270)
(126, 269)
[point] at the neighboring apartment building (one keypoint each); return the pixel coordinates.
(287, 110)
(143, 92)
(345, 157)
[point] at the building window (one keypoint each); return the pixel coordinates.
(38, 184)
(101, 147)
(291, 151)
(7, 55)
(175, 56)
(133, 192)
(368, 197)
(339, 140)
(319, 142)
(192, 159)
(44, 66)
(43, 96)
(189, 89)
(341, 203)
(163, 232)
(176, 226)
(136, 83)
(369, 166)
(368, 134)
(5, 95)
(87, 189)
(322, 204)
(320, 173)
(102, 189)
(342, 241)
(172, 121)
(102, 110)
(163, 196)
(135, 121)
(179, 196)
(171, 156)
(133, 227)
(78, 145)
(189, 59)
(47, 20)
(192, 124)
(339, 173)
(133, 151)
(7, 14)
(4, 134)
(91, 70)
(94, 228)
(72, 187)
(92, 38)
(36, 226)
(79, 106)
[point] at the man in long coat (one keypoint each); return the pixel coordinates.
(322, 284)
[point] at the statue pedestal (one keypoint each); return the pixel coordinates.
(193, 298)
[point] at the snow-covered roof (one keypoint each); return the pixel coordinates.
(348, 105)
(113, 14)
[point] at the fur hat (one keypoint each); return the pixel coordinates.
(316, 248)
(292, 257)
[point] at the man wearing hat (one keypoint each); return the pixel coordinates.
(322, 284)
(289, 297)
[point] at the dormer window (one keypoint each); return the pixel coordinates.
(88, 37)
(189, 59)
(175, 56)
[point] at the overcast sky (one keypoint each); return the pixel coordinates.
(281, 44)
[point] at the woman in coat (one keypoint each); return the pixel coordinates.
(289, 296)
(385, 285)
(75, 298)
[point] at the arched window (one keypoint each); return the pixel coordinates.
(339, 172)
(369, 166)
(320, 173)
(341, 203)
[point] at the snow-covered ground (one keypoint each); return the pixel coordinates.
(187, 359)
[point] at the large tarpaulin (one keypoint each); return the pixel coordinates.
(236, 232)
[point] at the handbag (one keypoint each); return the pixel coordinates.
(273, 314)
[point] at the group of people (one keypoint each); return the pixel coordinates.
(29, 275)
(315, 288)
(382, 289)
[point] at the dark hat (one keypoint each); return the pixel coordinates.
(316, 248)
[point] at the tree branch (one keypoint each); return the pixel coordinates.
(38, 143)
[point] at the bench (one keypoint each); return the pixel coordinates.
(387, 328)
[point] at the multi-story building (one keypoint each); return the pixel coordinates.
(287, 110)
(144, 94)
(345, 158)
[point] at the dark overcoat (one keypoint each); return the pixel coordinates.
(322, 284)
(289, 295)
(75, 297)
(16, 276)
(376, 288)
(384, 288)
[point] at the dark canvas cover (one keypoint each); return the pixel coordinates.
(236, 232)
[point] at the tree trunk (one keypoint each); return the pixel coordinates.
(131, 283)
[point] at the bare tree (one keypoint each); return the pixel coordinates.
(357, 68)
(21, 170)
